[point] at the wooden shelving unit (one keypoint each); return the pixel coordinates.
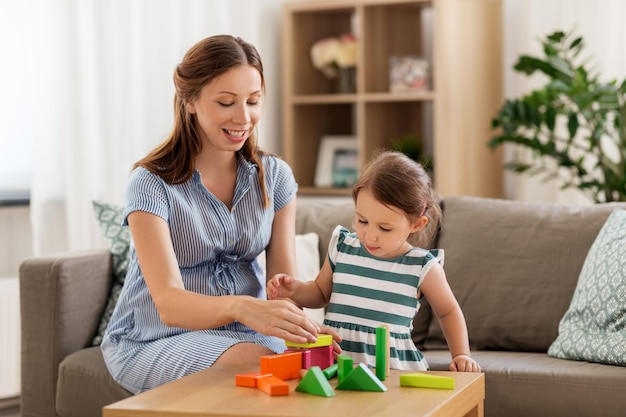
(451, 120)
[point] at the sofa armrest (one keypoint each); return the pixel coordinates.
(61, 299)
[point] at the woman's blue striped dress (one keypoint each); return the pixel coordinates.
(216, 250)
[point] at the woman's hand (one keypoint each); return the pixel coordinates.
(464, 363)
(281, 286)
(279, 318)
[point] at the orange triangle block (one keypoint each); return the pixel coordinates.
(362, 379)
(315, 382)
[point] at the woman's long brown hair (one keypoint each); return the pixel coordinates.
(173, 160)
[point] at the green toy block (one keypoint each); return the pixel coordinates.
(344, 366)
(381, 352)
(425, 380)
(362, 379)
(315, 382)
(322, 340)
(331, 371)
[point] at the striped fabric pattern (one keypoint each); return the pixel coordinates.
(216, 249)
(370, 291)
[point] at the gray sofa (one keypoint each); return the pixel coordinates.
(513, 267)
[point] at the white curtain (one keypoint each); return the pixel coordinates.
(103, 94)
(599, 22)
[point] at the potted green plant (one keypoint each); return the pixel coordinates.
(574, 126)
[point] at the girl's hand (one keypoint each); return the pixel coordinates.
(280, 286)
(336, 339)
(464, 363)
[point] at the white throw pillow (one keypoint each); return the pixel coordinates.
(308, 259)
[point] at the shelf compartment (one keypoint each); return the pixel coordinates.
(310, 124)
(386, 122)
(400, 29)
(307, 28)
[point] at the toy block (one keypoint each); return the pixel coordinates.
(322, 356)
(322, 340)
(306, 356)
(362, 379)
(425, 380)
(306, 359)
(248, 379)
(284, 366)
(315, 382)
(344, 366)
(382, 351)
(272, 385)
(331, 371)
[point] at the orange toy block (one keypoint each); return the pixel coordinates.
(284, 366)
(249, 379)
(306, 356)
(273, 386)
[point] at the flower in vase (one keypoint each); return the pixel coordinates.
(330, 54)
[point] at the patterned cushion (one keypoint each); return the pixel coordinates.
(109, 218)
(594, 327)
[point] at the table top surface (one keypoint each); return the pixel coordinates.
(212, 392)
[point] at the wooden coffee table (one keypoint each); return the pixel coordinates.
(213, 392)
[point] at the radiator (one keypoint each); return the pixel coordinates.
(9, 338)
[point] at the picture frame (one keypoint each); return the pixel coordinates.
(408, 73)
(337, 162)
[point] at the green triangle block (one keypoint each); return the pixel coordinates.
(362, 379)
(315, 382)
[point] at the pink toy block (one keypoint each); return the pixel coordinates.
(322, 356)
(284, 366)
(306, 359)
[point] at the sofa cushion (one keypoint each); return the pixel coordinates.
(513, 266)
(594, 327)
(518, 384)
(109, 218)
(321, 217)
(308, 255)
(83, 378)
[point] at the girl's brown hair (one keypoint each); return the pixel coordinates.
(173, 160)
(397, 181)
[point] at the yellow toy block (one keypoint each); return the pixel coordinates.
(322, 340)
(425, 380)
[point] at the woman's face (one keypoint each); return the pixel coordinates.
(229, 108)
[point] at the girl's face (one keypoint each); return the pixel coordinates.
(229, 108)
(383, 230)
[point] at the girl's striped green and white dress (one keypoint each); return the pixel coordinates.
(370, 291)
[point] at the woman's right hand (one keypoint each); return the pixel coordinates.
(279, 318)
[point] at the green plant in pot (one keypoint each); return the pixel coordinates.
(574, 126)
(411, 146)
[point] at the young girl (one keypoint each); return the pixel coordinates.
(375, 276)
